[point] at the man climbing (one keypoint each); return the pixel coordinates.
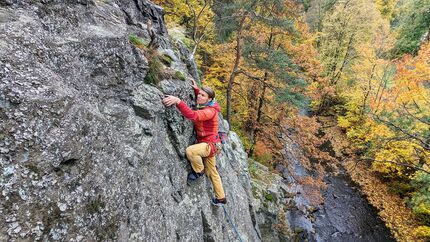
(205, 120)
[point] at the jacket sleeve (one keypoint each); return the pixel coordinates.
(198, 115)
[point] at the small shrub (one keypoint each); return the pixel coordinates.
(265, 159)
(137, 41)
(166, 60)
(252, 168)
(179, 75)
(400, 188)
(155, 72)
(269, 197)
(188, 43)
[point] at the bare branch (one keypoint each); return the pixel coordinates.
(397, 163)
(415, 117)
(423, 143)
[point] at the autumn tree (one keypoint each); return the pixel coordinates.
(197, 19)
(344, 30)
(412, 26)
(316, 11)
(387, 8)
(262, 64)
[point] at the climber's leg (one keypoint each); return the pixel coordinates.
(212, 173)
(195, 153)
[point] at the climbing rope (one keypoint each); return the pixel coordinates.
(231, 222)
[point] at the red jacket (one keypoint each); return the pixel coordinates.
(205, 120)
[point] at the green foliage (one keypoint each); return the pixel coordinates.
(265, 57)
(348, 26)
(188, 43)
(400, 187)
(226, 18)
(386, 7)
(264, 159)
(242, 135)
(292, 97)
(276, 62)
(179, 75)
(306, 4)
(316, 11)
(252, 168)
(269, 197)
(137, 41)
(412, 23)
(155, 71)
(166, 60)
(421, 198)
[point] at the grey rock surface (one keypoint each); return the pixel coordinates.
(87, 150)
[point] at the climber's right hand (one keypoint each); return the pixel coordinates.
(170, 100)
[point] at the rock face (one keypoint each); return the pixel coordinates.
(87, 150)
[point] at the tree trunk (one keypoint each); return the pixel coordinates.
(258, 120)
(235, 68)
(257, 123)
(369, 89)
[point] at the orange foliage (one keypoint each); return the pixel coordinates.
(313, 189)
(310, 140)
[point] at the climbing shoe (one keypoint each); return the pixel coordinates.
(193, 176)
(219, 202)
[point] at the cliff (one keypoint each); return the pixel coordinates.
(87, 150)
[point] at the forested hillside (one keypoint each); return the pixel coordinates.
(364, 65)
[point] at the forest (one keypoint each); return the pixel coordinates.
(360, 66)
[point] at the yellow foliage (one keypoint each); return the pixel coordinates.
(422, 231)
(388, 157)
(378, 131)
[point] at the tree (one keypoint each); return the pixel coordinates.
(198, 19)
(346, 27)
(386, 8)
(412, 26)
(263, 62)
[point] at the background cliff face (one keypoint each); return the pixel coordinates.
(87, 150)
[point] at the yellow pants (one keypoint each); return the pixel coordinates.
(197, 154)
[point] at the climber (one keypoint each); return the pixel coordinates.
(205, 120)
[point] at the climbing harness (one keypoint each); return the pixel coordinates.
(231, 222)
